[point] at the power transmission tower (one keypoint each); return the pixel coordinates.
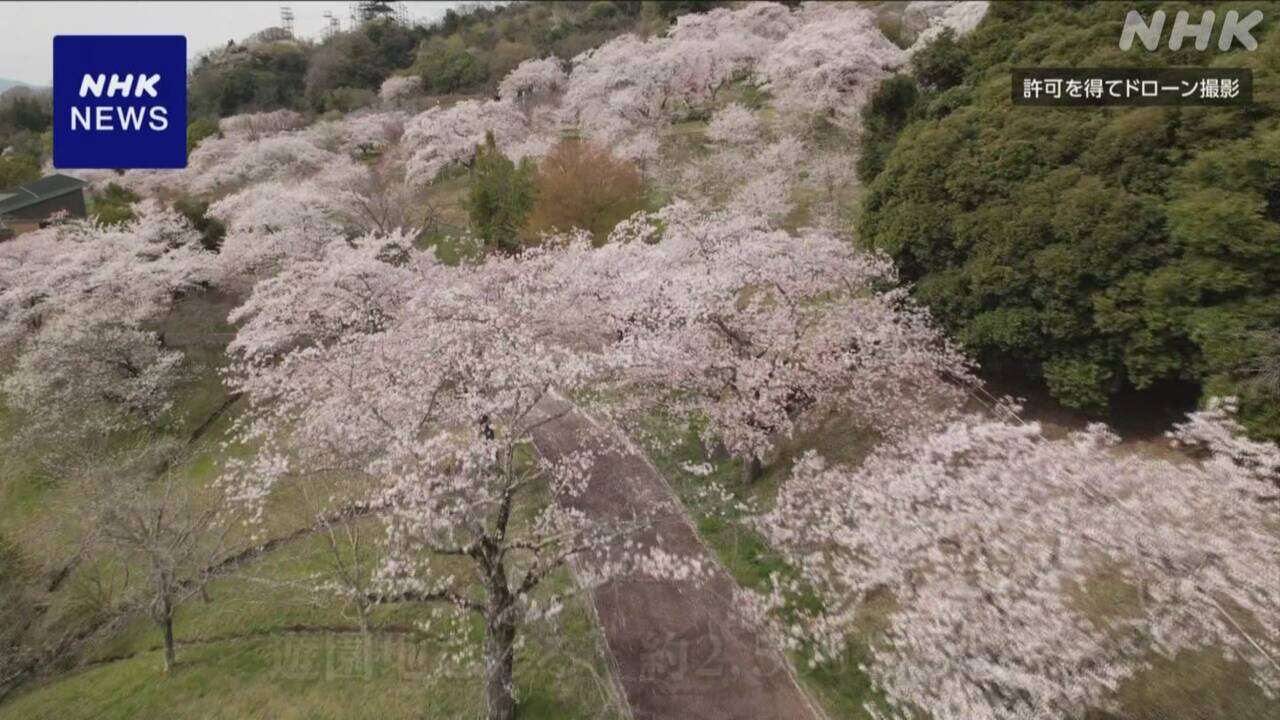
(333, 23)
(286, 18)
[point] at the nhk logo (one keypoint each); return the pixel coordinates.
(1234, 28)
(99, 117)
(119, 101)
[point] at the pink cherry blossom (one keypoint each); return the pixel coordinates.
(751, 329)
(399, 87)
(533, 80)
(441, 136)
(986, 539)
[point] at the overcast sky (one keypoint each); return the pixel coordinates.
(27, 28)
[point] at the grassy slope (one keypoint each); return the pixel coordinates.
(239, 654)
(240, 658)
(283, 674)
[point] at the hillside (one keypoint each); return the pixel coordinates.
(6, 83)
(468, 51)
(598, 360)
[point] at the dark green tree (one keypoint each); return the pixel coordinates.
(502, 194)
(1100, 252)
(941, 64)
(447, 66)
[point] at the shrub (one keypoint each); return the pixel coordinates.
(580, 185)
(941, 64)
(890, 108)
(113, 206)
(212, 231)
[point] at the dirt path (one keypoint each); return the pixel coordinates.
(678, 649)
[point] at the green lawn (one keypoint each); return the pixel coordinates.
(264, 648)
(302, 676)
(239, 653)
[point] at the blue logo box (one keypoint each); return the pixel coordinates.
(120, 101)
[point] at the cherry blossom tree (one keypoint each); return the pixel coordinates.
(255, 126)
(632, 85)
(752, 329)
(428, 413)
(221, 165)
(987, 538)
(1214, 434)
(744, 176)
(746, 32)
(77, 308)
(361, 134)
(959, 17)
(140, 507)
(831, 63)
(348, 287)
(92, 375)
(399, 87)
(621, 89)
(734, 123)
(441, 137)
(378, 199)
(270, 222)
(533, 80)
(136, 270)
(831, 180)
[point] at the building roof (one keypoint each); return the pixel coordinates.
(46, 188)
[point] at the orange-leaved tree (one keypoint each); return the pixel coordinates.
(581, 185)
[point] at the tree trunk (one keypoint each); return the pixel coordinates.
(499, 660)
(752, 469)
(170, 655)
(364, 609)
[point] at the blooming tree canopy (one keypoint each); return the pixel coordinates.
(254, 126)
(532, 80)
(419, 385)
(734, 124)
(988, 537)
(831, 63)
(399, 87)
(750, 328)
(77, 305)
(443, 136)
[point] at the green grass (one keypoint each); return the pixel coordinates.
(841, 687)
(310, 675)
(232, 653)
(266, 671)
(231, 649)
(271, 677)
